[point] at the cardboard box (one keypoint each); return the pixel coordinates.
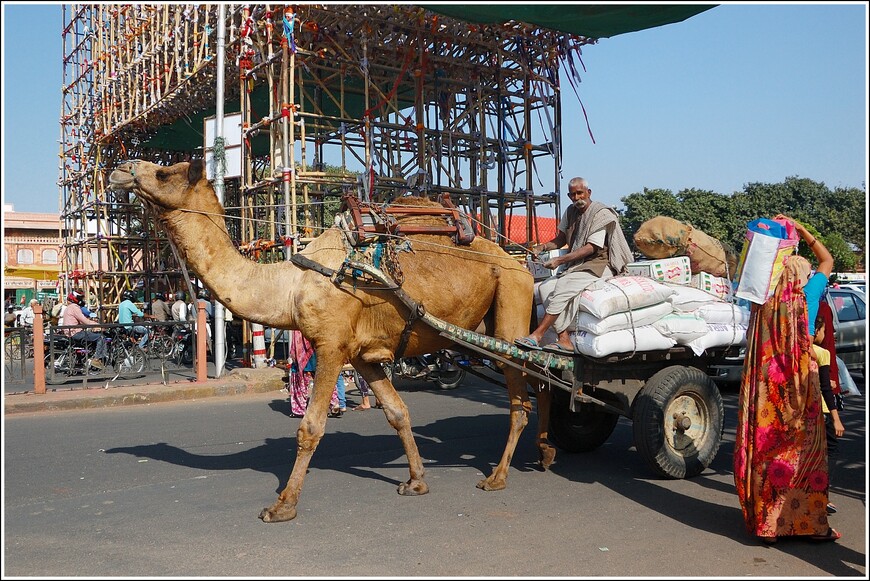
(676, 270)
(715, 285)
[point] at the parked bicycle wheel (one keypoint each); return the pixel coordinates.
(126, 360)
(160, 346)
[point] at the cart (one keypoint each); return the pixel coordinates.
(675, 408)
(674, 405)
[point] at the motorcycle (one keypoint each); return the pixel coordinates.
(66, 356)
(183, 347)
(443, 368)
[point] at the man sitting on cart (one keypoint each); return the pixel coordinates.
(597, 250)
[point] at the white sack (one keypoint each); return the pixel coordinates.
(681, 327)
(723, 313)
(719, 335)
(622, 293)
(626, 320)
(644, 338)
(688, 299)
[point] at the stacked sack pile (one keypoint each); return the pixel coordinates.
(681, 295)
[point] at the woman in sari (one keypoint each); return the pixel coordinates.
(303, 361)
(780, 457)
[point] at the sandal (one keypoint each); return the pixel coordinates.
(558, 349)
(527, 343)
(831, 535)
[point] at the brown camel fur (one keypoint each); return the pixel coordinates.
(462, 285)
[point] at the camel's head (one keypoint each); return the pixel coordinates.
(179, 186)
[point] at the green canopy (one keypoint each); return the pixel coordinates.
(590, 20)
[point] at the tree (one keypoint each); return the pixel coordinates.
(836, 217)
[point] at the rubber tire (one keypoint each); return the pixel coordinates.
(581, 431)
(186, 355)
(388, 370)
(450, 379)
(161, 346)
(138, 364)
(56, 376)
(671, 390)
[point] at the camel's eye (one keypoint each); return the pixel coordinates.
(162, 175)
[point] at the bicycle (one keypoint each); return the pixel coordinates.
(160, 341)
(69, 356)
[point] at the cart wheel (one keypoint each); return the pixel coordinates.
(581, 431)
(388, 370)
(449, 379)
(678, 417)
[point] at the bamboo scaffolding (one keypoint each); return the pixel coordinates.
(376, 100)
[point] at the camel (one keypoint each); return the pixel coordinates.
(471, 286)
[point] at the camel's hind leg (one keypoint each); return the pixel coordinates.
(520, 407)
(398, 416)
(513, 311)
(311, 430)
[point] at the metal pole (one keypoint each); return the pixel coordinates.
(219, 327)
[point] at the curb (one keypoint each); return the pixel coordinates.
(237, 382)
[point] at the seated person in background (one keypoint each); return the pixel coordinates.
(179, 308)
(73, 315)
(597, 251)
(159, 309)
(126, 311)
(27, 315)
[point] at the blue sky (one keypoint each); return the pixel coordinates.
(739, 94)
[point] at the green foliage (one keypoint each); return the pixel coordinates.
(844, 259)
(837, 217)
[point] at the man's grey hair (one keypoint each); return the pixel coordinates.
(577, 182)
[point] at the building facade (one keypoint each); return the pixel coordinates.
(32, 246)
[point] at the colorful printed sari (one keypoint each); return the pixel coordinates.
(780, 457)
(302, 374)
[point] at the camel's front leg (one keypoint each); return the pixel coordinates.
(520, 407)
(397, 414)
(311, 430)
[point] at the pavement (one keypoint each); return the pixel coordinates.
(238, 381)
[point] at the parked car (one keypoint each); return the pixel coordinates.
(857, 285)
(850, 327)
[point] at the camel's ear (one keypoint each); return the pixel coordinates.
(194, 171)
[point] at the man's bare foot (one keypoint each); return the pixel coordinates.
(361, 407)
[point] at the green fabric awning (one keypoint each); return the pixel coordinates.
(590, 20)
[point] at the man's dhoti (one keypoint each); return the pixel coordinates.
(560, 296)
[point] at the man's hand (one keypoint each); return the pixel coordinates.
(553, 263)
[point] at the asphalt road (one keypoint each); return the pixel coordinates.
(174, 489)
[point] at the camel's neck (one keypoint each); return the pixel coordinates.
(261, 293)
